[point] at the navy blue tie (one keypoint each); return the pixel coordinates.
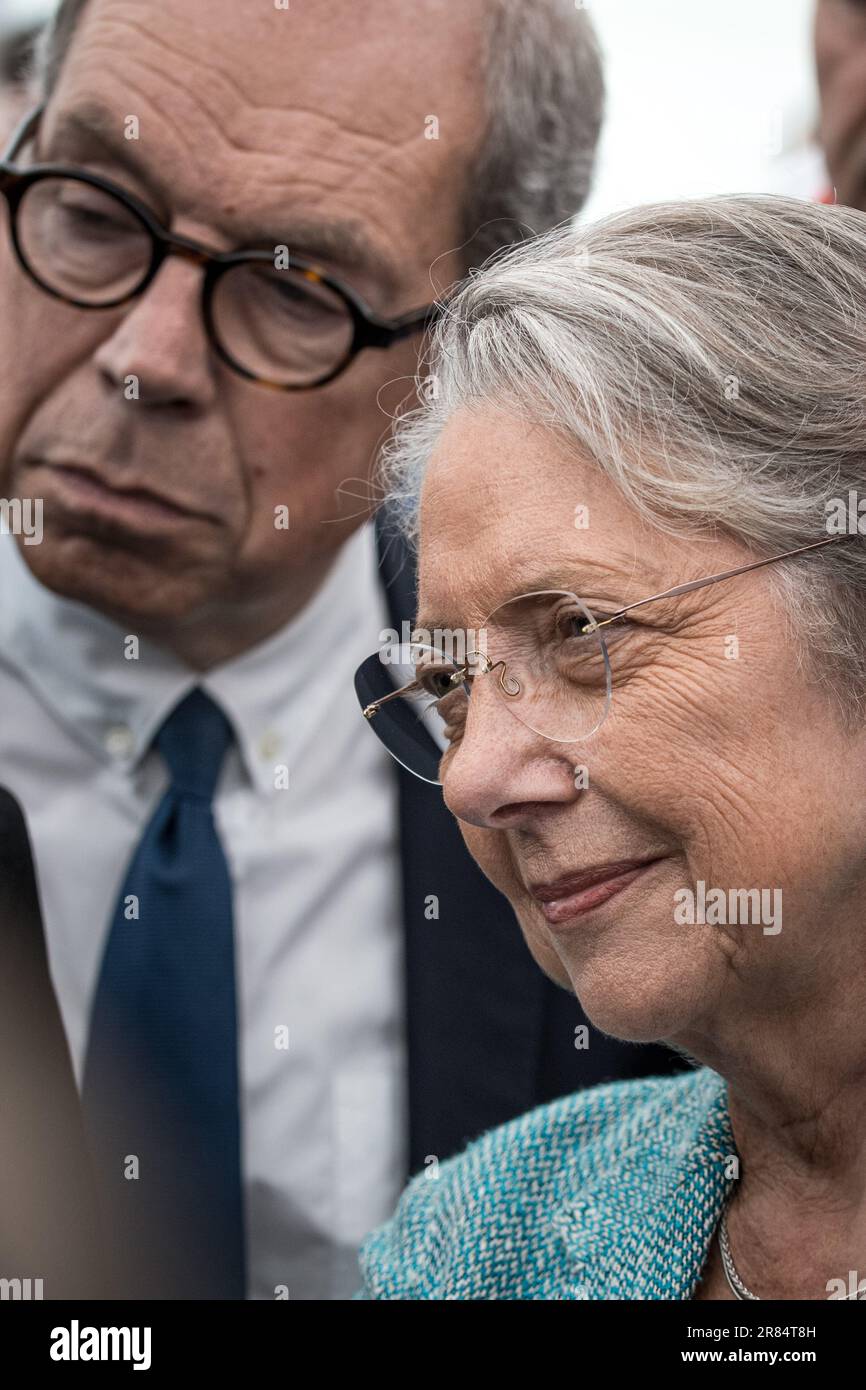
(160, 1089)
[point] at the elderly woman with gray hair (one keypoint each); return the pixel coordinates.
(639, 677)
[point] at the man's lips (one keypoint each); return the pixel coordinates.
(577, 893)
(84, 489)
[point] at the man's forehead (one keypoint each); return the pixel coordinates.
(337, 58)
(281, 111)
(85, 130)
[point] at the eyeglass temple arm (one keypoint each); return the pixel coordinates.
(21, 134)
(376, 705)
(409, 323)
(715, 578)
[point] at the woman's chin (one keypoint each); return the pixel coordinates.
(644, 1020)
(639, 995)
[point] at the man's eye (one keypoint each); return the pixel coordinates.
(86, 218)
(291, 294)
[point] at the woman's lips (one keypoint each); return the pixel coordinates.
(576, 894)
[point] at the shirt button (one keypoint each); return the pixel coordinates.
(269, 746)
(120, 741)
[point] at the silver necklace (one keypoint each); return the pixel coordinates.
(735, 1283)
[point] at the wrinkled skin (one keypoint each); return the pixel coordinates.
(251, 120)
(738, 772)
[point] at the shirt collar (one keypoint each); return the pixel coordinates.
(81, 664)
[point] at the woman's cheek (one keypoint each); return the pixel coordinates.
(489, 849)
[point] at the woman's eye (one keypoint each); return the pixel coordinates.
(579, 627)
(441, 682)
(576, 624)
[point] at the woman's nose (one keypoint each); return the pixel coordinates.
(502, 774)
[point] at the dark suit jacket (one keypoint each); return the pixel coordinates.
(489, 1035)
(48, 1223)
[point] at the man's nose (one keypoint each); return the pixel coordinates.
(161, 344)
(502, 775)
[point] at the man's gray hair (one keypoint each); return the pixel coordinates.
(710, 358)
(544, 103)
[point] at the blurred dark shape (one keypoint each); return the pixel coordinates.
(15, 49)
(16, 46)
(48, 1221)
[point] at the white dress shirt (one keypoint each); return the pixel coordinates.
(315, 868)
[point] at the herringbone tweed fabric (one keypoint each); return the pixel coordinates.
(612, 1193)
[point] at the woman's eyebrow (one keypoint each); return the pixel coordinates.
(613, 584)
(583, 576)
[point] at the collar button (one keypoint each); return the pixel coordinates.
(269, 746)
(120, 741)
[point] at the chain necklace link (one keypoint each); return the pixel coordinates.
(735, 1283)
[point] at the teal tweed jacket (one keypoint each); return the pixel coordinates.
(612, 1193)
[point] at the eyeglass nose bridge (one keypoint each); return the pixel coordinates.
(486, 666)
(166, 244)
(187, 250)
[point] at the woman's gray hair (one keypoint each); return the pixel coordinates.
(543, 106)
(710, 358)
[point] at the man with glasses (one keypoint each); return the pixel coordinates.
(227, 228)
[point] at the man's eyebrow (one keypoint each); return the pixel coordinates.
(78, 129)
(344, 241)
